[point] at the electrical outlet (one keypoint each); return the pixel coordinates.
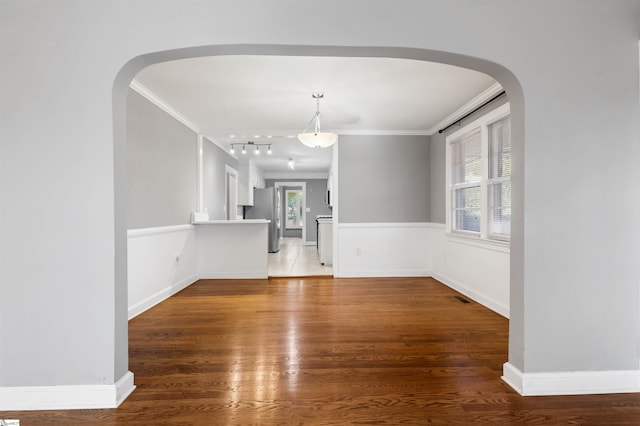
(358, 251)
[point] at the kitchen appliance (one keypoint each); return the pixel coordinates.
(266, 205)
(325, 239)
(318, 219)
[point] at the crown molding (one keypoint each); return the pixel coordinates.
(373, 132)
(164, 106)
(160, 103)
(483, 97)
(221, 146)
(296, 175)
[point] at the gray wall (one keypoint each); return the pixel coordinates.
(213, 164)
(383, 179)
(438, 161)
(66, 270)
(161, 167)
(316, 191)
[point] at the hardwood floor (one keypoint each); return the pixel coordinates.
(327, 351)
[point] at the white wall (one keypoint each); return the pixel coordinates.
(478, 270)
(384, 250)
(162, 261)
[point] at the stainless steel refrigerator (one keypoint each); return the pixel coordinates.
(266, 205)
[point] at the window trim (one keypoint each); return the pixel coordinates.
(482, 123)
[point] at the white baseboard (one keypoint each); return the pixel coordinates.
(124, 387)
(571, 383)
(20, 398)
(369, 273)
(494, 306)
(158, 297)
(233, 276)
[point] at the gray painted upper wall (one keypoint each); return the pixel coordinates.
(316, 202)
(161, 166)
(74, 287)
(383, 179)
(213, 180)
(438, 161)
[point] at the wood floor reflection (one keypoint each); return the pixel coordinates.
(327, 351)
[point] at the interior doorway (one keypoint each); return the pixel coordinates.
(503, 75)
(231, 193)
(297, 214)
(298, 255)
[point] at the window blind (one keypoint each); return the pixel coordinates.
(499, 179)
(466, 181)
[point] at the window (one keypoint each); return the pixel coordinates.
(466, 182)
(479, 177)
(499, 178)
(294, 209)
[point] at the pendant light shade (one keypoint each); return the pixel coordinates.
(318, 140)
(314, 137)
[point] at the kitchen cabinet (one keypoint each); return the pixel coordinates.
(249, 177)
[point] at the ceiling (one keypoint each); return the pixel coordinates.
(267, 99)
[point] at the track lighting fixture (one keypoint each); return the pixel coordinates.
(257, 146)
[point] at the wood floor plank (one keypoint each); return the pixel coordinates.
(327, 351)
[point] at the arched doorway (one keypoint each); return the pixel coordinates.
(502, 75)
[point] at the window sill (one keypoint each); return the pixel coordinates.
(476, 241)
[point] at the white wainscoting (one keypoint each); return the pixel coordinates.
(161, 262)
(477, 269)
(164, 260)
(384, 249)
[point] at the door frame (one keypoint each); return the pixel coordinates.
(277, 185)
(230, 214)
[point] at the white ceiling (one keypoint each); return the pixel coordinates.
(267, 99)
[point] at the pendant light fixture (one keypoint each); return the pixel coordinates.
(314, 137)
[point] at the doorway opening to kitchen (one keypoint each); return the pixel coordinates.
(301, 201)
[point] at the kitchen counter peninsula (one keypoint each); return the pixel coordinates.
(231, 222)
(232, 248)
